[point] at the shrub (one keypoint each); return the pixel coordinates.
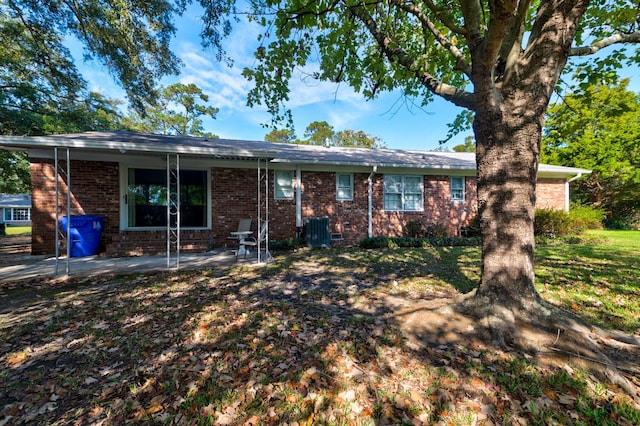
(417, 229)
(585, 217)
(435, 230)
(472, 229)
(394, 242)
(414, 229)
(286, 245)
(551, 223)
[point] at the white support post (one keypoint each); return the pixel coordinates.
(173, 211)
(66, 175)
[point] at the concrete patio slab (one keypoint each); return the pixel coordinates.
(25, 267)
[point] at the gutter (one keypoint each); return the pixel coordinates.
(578, 176)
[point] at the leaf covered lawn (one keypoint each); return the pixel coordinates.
(307, 342)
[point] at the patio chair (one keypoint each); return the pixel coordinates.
(244, 225)
(253, 242)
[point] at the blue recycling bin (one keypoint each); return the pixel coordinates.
(84, 233)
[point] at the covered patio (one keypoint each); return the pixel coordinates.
(21, 267)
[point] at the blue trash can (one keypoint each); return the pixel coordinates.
(84, 233)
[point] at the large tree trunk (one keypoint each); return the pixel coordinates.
(508, 137)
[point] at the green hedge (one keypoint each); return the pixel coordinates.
(286, 245)
(393, 242)
(558, 223)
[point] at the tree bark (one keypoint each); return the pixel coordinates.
(508, 137)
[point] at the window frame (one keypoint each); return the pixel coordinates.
(10, 214)
(279, 192)
(461, 189)
(125, 198)
(338, 187)
(403, 193)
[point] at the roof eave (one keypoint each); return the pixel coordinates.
(39, 142)
(370, 164)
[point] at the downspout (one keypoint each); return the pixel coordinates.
(370, 196)
(566, 191)
(298, 201)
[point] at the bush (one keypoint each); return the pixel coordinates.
(623, 220)
(551, 223)
(414, 229)
(435, 230)
(585, 217)
(286, 245)
(417, 229)
(472, 229)
(394, 242)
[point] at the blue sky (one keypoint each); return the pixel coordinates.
(398, 123)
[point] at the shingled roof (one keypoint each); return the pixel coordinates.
(276, 152)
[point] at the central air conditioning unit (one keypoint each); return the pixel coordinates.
(316, 232)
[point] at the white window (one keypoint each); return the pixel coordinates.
(146, 199)
(344, 187)
(403, 193)
(457, 188)
(283, 185)
(17, 214)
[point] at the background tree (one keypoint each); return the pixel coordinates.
(178, 110)
(357, 139)
(131, 38)
(599, 129)
(281, 136)
(468, 146)
(15, 176)
(318, 133)
(41, 92)
(321, 133)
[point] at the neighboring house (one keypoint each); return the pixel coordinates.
(15, 209)
(363, 192)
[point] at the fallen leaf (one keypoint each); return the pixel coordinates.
(16, 358)
(566, 399)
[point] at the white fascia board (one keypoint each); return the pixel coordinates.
(39, 142)
(329, 165)
(560, 172)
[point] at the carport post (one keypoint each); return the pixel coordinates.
(66, 174)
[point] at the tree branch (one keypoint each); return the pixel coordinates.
(614, 39)
(445, 20)
(512, 42)
(461, 62)
(458, 97)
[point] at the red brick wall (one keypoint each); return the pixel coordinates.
(550, 193)
(348, 217)
(438, 207)
(95, 190)
(234, 193)
(351, 217)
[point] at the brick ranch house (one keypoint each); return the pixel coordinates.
(364, 192)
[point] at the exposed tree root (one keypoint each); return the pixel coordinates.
(550, 335)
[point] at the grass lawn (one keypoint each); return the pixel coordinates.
(600, 282)
(307, 340)
(18, 230)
